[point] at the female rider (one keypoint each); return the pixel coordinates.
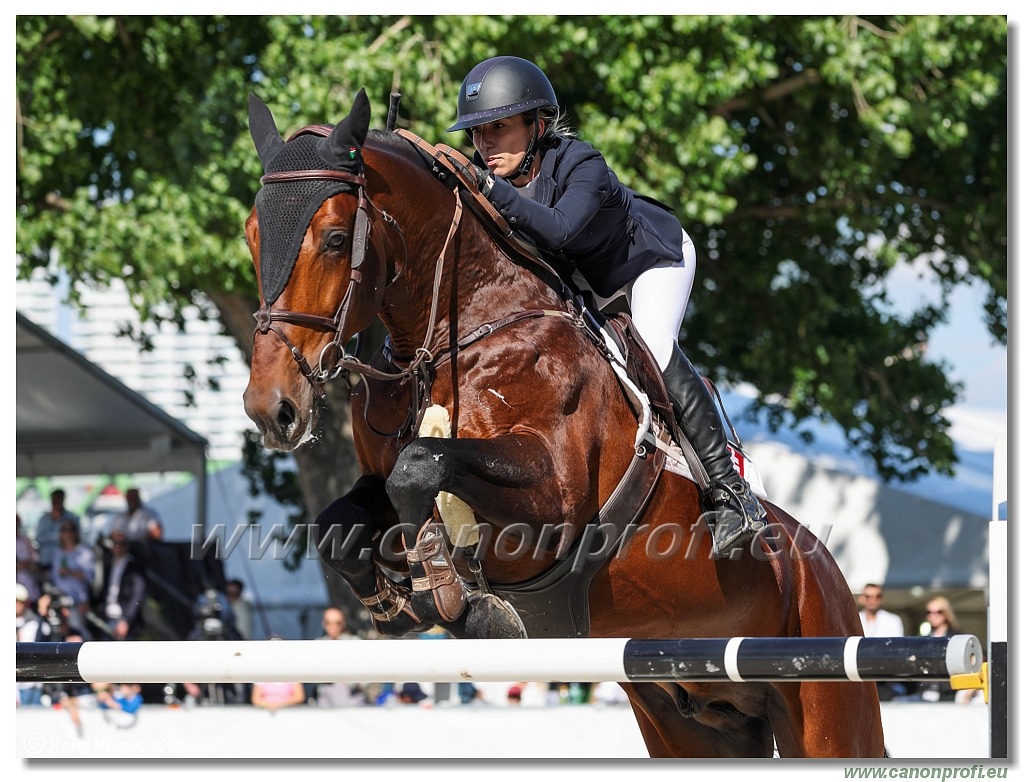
(559, 194)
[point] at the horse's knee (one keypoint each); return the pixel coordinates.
(333, 526)
(420, 473)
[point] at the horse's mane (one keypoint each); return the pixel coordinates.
(531, 262)
(389, 140)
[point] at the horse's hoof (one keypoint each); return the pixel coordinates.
(399, 626)
(488, 616)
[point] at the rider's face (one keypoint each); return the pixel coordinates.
(502, 144)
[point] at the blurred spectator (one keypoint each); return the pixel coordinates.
(241, 608)
(69, 696)
(608, 694)
(138, 522)
(29, 629)
(514, 696)
(119, 703)
(941, 622)
(940, 619)
(877, 622)
(410, 693)
(336, 693)
(277, 695)
(27, 562)
(122, 594)
(335, 625)
(468, 693)
(73, 571)
(59, 624)
(48, 529)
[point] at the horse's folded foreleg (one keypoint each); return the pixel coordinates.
(346, 534)
(472, 470)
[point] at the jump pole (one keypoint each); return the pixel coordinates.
(998, 607)
(540, 660)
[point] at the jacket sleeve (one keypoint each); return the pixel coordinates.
(587, 185)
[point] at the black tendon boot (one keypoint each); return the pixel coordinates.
(737, 515)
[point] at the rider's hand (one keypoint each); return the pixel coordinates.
(484, 179)
(481, 177)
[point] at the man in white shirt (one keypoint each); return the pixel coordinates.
(877, 622)
(137, 522)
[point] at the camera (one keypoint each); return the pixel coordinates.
(56, 612)
(209, 611)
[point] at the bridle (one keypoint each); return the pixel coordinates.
(333, 357)
(334, 360)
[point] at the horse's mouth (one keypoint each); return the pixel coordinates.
(283, 425)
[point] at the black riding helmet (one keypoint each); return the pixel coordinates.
(503, 87)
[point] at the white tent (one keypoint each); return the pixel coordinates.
(254, 536)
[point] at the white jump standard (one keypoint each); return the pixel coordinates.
(543, 660)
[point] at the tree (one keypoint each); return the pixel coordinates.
(808, 157)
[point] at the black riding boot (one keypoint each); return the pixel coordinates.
(737, 515)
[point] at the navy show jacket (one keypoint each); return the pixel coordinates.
(582, 217)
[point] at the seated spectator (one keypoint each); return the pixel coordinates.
(73, 571)
(876, 621)
(468, 693)
(69, 696)
(123, 592)
(879, 623)
(29, 629)
(119, 703)
(277, 695)
(122, 697)
(27, 566)
(58, 621)
(334, 694)
(411, 693)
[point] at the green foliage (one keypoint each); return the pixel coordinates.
(807, 156)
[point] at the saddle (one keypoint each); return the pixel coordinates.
(556, 603)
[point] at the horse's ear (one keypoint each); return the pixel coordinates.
(263, 130)
(350, 134)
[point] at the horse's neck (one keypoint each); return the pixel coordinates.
(478, 283)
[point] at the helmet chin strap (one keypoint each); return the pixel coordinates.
(531, 152)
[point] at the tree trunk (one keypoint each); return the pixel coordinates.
(327, 466)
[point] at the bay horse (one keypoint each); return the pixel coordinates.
(535, 436)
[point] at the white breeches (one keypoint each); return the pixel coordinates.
(657, 301)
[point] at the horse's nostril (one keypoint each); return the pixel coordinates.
(285, 415)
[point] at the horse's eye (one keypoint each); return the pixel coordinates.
(335, 241)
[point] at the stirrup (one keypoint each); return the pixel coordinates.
(737, 516)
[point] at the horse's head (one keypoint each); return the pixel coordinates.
(320, 273)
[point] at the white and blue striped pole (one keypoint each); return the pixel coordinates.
(541, 660)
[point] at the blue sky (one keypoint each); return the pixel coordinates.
(977, 359)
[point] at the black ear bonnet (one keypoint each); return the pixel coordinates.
(285, 209)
